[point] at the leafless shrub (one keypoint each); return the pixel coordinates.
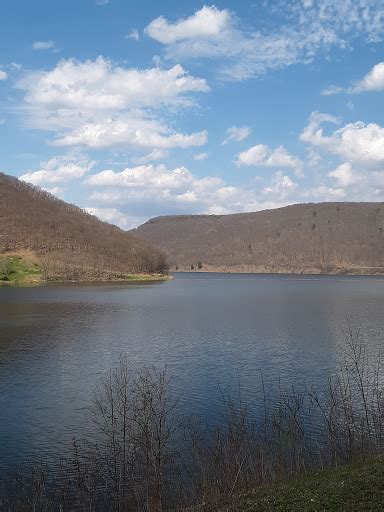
(143, 457)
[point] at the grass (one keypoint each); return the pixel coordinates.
(146, 277)
(16, 269)
(356, 487)
(24, 269)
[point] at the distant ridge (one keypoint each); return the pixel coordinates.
(302, 238)
(68, 242)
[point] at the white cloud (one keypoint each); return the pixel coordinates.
(237, 133)
(206, 23)
(345, 175)
(3, 75)
(137, 132)
(372, 81)
(133, 34)
(262, 156)
(99, 104)
(156, 154)
(43, 45)
(282, 186)
(306, 29)
(358, 143)
(58, 170)
(200, 156)
(149, 190)
(360, 147)
(332, 90)
(55, 191)
(324, 193)
(114, 216)
(99, 86)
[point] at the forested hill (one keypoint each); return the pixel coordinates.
(67, 242)
(308, 238)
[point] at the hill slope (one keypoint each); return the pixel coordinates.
(309, 238)
(67, 242)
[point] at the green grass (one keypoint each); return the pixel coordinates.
(357, 487)
(17, 270)
(145, 277)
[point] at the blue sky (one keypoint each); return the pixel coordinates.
(133, 109)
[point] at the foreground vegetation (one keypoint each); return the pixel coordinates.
(354, 487)
(315, 449)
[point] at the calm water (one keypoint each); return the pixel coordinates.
(56, 342)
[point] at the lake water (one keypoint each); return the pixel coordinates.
(206, 329)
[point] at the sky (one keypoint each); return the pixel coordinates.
(133, 109)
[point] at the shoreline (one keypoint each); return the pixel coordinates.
(347, 271)
(132, 278)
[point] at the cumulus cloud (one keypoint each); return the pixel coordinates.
(43, 45)
(3, 75)
(345, 175)
(60, 169)
(150, 190)
(372, 81)
(282, 186)
(237, 133)
(207, 23)
(99, 104)
(140, 133)
(307, 29)
(262, 156)
(358, 143)
(359, 146)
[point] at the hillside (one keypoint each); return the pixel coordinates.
(65, 242)
(304, 238)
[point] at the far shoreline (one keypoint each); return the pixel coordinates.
(347, 271)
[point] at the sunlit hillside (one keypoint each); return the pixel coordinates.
(309, 238)
(65, 241)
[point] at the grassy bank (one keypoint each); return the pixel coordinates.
(26, 269)
(18, 269)
(145, 277)
(355, 487)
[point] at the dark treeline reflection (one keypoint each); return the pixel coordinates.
(143, 455)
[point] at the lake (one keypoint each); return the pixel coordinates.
(207, 329)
